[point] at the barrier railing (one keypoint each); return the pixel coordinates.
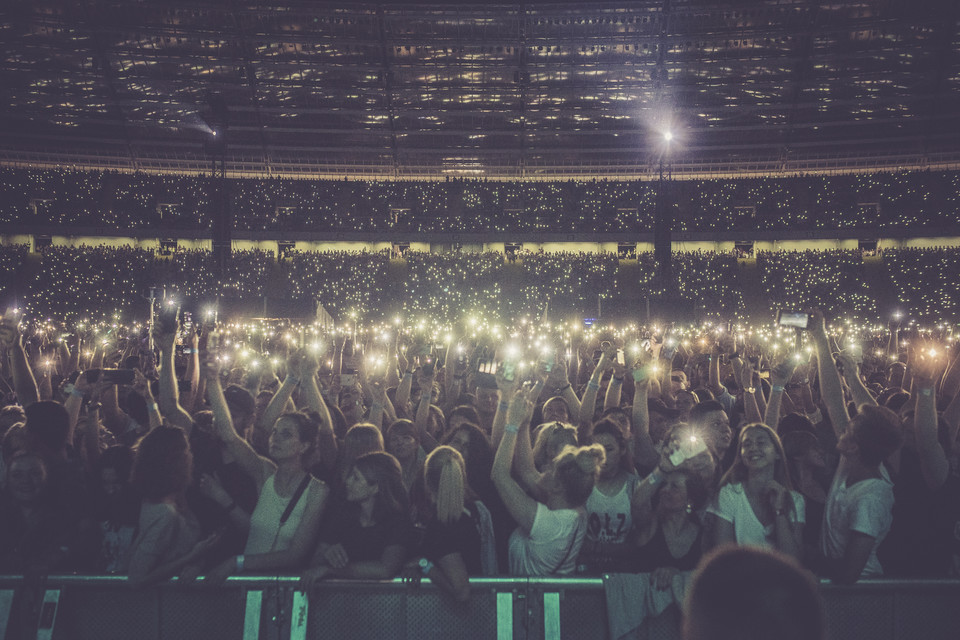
(274, 608)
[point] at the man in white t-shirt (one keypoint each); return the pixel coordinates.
(859, 507)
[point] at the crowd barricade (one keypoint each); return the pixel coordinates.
(274, 608)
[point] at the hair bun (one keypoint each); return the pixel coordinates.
(589, 458)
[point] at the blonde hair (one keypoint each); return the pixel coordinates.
(551, 439)
(445, 476)
(577, 469)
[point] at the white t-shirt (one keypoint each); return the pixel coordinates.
(552, 546)
(865, 506)
(734, 507)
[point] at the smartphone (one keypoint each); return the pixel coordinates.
(169, 318)
(793, 319)
(690, 446)
(428, 367)
(509, 370)
(620, 359)
(668, 352)
(485, 366)
(765, 374)
(856, 352)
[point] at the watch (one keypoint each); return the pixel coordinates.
(425, 566)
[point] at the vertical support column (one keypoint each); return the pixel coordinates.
(551, 616)
(298, 616)
(6, 604)
(251, 616)
(505, 615)
(48, 614)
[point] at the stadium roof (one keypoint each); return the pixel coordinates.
(501, 90)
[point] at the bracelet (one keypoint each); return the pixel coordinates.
(408, 373)
(777, 387)
(655, 476)
(239, 560)
(95, 406)
(926, 392)
(618, 379)
(504, 404)
(564, 387)
(512, 428)
(293, 379)
(593, 386)
(153, 406)
(750, 389)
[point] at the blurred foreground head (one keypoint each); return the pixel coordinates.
(745, 593)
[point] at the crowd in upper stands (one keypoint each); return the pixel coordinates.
(447, 284)
(62, 197)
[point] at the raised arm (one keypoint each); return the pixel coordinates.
(588, 403)
(852, 376)
(257, 467)
(23, 381)
(830, 390)
(779, 377)
(933, 460)
(521, 507)
(169, 391)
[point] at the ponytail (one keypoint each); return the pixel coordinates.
(445, 476)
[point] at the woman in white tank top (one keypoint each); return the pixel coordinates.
(286, 521)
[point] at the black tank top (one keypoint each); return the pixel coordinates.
(656, 554)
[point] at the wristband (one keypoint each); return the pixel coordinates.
(293, 379)
(503, 404)
(153, 406)
(512, 428)
(593, 386)
(425, 566)
(408, 373)
(750, 389)
(564, 387)
(618, 379)
(76, 393)
(926, 392)
(239, 560)
(777, 387)
(655, 476)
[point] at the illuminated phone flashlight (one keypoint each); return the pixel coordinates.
(255, 364)
(932, 353)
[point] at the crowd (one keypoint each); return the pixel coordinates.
(534, 449)
(833, 280)
(914, 200)
(81, 280)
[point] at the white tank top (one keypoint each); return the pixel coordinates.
(266, 534)
(609, 518)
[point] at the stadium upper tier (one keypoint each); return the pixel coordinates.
(96, 281)
(906, 202)
(482, 89)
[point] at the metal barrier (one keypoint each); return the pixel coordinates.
(272, 608)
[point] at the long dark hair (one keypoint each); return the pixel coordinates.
(383, 469)
(163, 463)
